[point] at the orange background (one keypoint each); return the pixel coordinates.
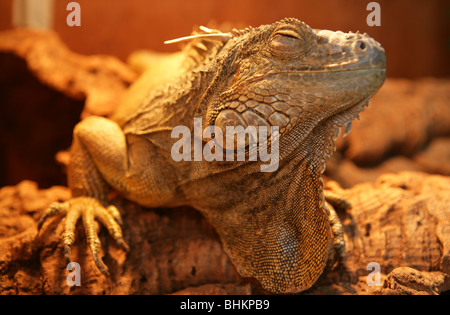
(415, 34)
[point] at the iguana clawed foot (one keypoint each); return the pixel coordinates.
(334, 201)
(89, 209)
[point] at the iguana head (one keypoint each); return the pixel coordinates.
(294, 77)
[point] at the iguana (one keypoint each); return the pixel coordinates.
(275, 226)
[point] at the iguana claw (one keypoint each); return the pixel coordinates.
(88, 208)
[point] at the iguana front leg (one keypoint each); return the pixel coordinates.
(335, 201)
(98, 153)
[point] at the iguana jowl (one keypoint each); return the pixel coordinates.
(275, 226)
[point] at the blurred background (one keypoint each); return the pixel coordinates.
(415, 34)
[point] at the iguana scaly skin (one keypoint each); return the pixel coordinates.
(275, 226)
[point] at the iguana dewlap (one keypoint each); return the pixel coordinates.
(275, 226)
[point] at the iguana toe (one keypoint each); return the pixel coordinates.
(89, 209)
(334, 201)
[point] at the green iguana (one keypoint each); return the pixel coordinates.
(276, 225)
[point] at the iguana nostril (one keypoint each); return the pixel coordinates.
(361, 45)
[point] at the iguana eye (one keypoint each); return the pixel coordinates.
(285, 41)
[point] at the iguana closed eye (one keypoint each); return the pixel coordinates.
(274, 226)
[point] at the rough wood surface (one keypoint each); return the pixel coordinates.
(399, 222)
(406, 127)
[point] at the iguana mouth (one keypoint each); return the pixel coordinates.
(307, 70)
